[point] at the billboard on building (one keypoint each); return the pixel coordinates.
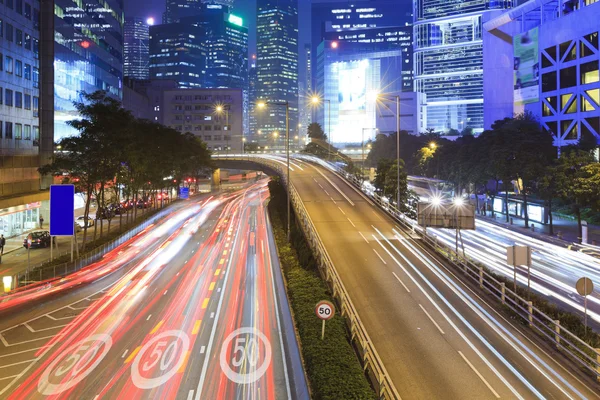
(526, 67)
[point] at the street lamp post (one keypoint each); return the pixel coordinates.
(316, 100)
(219, 110)
(397, 97)
(287, 148)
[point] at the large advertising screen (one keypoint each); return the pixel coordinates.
(526, 67)
(354, 82)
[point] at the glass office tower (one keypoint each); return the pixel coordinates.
(137, 48)
(88, 55)
(277, 65)
(448, 61)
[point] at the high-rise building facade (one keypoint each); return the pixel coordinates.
(448, 61)
(88, 55)
(329, 16)
(305, 93)
(136, 49)
(177, 9)
(20, 196)
(277, 65)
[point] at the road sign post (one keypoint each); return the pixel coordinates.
(520, 255)
(325, 310)
(29, 240)
(585, 287)
(62, 213)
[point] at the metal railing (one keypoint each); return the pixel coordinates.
(371, 360)
(41, 273)
(573, 346)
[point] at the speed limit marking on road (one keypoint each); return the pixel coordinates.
(160, 359)
(325, 310)
(75, 363)
(248, 350)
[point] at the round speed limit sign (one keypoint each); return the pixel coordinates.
(325, 310)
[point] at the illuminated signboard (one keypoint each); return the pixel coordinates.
(236, 20)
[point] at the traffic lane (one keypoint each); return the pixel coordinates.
(65, 328)
(531, 373)
(412, 348)
(247, 359)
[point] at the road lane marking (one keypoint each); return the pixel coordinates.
(400, 280)
(8, 377)
(205, 302)
(17, 363)
(334, 186)
(431, 319)
(133, 354)
(190, 394)
(351, 222)
(184, 363)
(218, 290)
(196, 327)
(29, 341)
(202, 349)
(21, 352)
(125, 353)
(326, 192)
(217, 272)
(381, 258)
(222, 261)
(165, 292)
(341, 210)
(320, 186)
(212, 286)
(479, 375)
(149, 316)
(334, 202)
(224, 252)
(212, 314)
(156, 328)
(29, 327)
(363, 236)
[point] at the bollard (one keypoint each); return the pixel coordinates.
(511, 220)
(480, 277)
(598, 368)
(559, 234)
(557, 334)
(503, 288)
(530, 309)
(532, 228)
(594, 242)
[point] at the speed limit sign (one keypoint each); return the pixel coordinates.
(325, 310)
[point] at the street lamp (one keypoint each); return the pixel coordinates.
(432, 145)
(219, 109)
(397, 148)
(243, 145)
(263, 104)
(316, 100)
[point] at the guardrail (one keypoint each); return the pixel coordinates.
(571, 345)
(371, 360)
(34, 275)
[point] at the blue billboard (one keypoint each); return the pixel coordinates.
(184, 193)
(62, 210)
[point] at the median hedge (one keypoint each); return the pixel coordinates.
(332, 366)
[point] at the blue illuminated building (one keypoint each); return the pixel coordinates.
(88, 55)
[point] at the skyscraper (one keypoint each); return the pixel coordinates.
(448, 62)
(177, 9)
(88, 55)
(136, 48)
(277, 64)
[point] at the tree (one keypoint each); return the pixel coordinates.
(548, 188)
(394, 174)
(315, 131)
(467, 131)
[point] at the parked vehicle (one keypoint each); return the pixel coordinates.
(38, 239)
(127, 205)
(82, 222)
(117, 209)
(104, 213)
(143, 203)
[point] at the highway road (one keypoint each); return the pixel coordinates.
(554, 270)
(436, 337)
(192, 308)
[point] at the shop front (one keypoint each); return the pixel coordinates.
(15, 221)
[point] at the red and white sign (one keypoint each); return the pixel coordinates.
(325, 310)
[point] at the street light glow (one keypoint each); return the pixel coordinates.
(436, 200)
(261, 104)
(219, 108)
(315, 100)
(459, 201)
(150, 21)
(432, 145)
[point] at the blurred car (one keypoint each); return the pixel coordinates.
(143, 203)
(38, 239)
(104, 213)
(117, 208)
(82, 222)
(127, 205)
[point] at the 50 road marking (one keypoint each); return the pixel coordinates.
(249, 346)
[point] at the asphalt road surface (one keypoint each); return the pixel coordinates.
(191, 308)
(437, 338)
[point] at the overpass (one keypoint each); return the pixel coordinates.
(422, 331)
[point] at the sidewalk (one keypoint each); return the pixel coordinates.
(567, 229)
(15, 255)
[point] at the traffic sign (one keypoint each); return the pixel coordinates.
(62, 210)
(325, 310)
(584, 286)
(184, 193)
(245, 355)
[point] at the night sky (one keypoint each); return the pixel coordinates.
(245, 8)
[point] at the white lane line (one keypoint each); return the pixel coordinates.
(334, 186)
(479, 375)
(149, 316)
(432, 320)
(381, 258)
(8, 377)
(351, 222)
(400, 280)
(334, 202)
(96, 397)
(202, 349)
(165, 292)
(21, 352)
(326, 192)
(17, 363)
(341, 210)
(363, 236)
(58, 318)
(49, 329)
(190, 394)
(212, 315)
(125, 353)
(29, 327)
(321, 186)
(29, 341)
